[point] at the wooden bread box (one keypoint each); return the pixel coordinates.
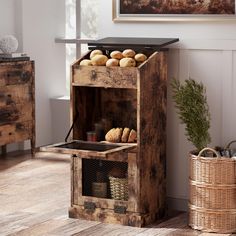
(133, 97)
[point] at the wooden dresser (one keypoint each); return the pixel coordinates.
(17, 103)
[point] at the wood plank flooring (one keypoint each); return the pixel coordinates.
(35, 196)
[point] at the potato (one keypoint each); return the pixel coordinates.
(128, 53)
(112, 62)
(116, 55)
(86, 62)
(140, 57)
(127, 62)
(99, 60)
(95, 52)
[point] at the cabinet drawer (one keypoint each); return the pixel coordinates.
(16, 132)
(15, 94)
(16, 113)
(16, 73)
(102, 76)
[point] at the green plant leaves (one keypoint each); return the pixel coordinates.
(191, 103)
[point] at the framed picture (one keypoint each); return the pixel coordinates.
(173, 10)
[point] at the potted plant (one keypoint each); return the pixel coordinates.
(212, 181)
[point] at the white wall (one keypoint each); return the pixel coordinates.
(36, 24)
(42, 22)
(8, 20)
(7, 17)
(207, 53)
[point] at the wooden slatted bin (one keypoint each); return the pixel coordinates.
(212, 184)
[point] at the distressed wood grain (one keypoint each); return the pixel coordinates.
(13, 73)
(15, 94)
(17, 102)
(152, 134)
(16, 113)
(126, 97)
(15, 132)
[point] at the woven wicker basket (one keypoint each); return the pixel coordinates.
(119, 188)
(212, 206)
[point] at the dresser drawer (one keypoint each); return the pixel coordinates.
(15, 94)
(16, 132)
(16, 73)
(16, 113)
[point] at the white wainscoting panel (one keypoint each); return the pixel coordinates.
(217, 70)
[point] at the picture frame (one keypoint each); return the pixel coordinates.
(118, 16)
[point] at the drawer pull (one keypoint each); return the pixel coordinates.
(10, 133)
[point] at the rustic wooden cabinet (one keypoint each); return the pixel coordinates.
(17, 103)
(129, 97)
(133, 97)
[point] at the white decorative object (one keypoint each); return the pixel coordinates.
(8, 44)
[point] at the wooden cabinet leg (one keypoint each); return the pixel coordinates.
(32, 144)
(4, 150)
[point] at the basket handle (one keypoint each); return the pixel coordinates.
(209, 149)
(228, 145)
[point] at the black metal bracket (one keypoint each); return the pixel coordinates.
(72, 126)
(120, 209)
(89, 206)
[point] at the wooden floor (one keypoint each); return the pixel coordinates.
(35, 195)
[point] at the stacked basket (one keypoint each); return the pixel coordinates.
(212, 206)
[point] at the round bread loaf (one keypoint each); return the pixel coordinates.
(127, 62)
(95, 52)
(116, 55)
(140, 57)
(112, 62)
(99, 60)
(86, 62)
(128, 53)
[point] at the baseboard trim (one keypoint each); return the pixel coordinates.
(177, 204)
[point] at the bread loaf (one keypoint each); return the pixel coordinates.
(95, 52)
(132, 136)
(99, 60)
(86, 62)
(112, 62)
(125, 135)
(116, 55)
(140, 57)
(114, 135)
(127, 62)
(117, 135)
(128, 53)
